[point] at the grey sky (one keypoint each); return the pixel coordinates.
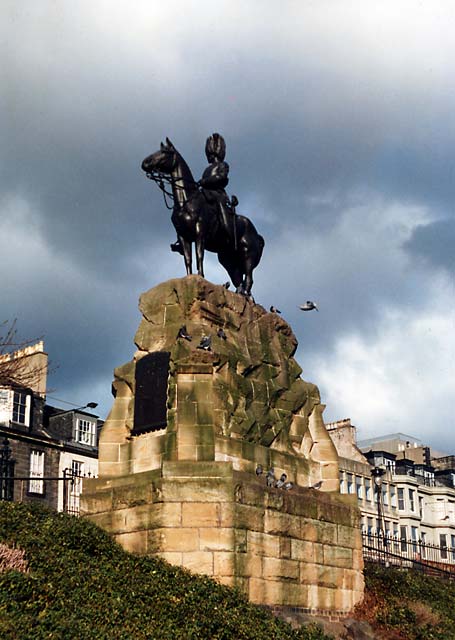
(338, 118)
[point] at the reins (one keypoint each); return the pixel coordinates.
(162, 180)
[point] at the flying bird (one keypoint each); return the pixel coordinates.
(274, 309)
(259, 470)
(220, 333)
(309, 306)
(270, 477)
(205, 343)
(183, 333)
(279, 484)
(226, 285)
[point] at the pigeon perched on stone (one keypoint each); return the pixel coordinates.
(274, 309)
(287, 486)
(226, 285)
(309, 306)
(183, 333)
(318, 485)
(270, 477)
(279, 484)
(220, 333)
(205, 343)
(259, 470)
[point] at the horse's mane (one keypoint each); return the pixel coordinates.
(186, 171)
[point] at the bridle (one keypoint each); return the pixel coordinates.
(163, 180)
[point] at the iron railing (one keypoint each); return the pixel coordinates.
(6, 472)
(411, 554)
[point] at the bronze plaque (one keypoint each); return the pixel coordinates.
(151, 392)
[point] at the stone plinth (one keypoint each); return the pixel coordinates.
(179, 450)
(297, 548)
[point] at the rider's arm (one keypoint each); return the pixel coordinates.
(216, 176)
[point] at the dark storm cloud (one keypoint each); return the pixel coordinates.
(336, 122)
(435, 243)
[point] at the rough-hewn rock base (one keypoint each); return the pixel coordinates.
(189, 492)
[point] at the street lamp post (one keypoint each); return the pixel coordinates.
(377, 474)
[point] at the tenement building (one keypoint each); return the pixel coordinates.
(403, 490)
(44, 451)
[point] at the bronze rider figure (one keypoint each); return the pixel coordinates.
(213, 182)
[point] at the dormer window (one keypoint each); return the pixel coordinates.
(85, 432)
(21, 408)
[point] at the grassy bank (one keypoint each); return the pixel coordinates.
(405, 605)
(73, 581)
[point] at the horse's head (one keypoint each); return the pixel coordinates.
(163, 160)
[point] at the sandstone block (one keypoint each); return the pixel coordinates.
(170, 539)
(263, 544)
(282, 524)
(247, 565)
(336, 556)
(303, 550)
(198, 561)
(201, 514)
(274, 592)
(134, 541)
(219, 539)
(275, 568)
(198, 490)
(223, 563)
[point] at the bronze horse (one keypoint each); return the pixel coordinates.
(197, 220)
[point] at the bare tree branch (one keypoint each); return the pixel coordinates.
(23, 363)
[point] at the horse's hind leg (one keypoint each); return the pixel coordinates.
(187, 253)
(199, 251)
(248, 280)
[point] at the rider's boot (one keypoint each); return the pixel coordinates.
(177, 247)
(228, 217)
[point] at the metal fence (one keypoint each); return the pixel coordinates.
(6, 472)
(59, 492)
(411, 554)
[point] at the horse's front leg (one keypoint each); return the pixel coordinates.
(200, 249)
(187, 254)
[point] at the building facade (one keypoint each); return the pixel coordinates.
(405, 493)
(45, 451)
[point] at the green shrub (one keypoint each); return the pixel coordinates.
(82, 585)
(419, 606)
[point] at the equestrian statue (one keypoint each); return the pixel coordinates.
(203, 213)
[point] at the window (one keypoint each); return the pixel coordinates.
(393, 497)
(421, 507)
(401, 499)
(350, 483)
(411, 499)
(75, 487)
(423, 539)
(76, 467)
(403, 536)
(452, 545)
(395, 538)
(342, 483)
(36, 471)
(85, 432)
(414, 538)
(369, 526)
(21, 408)
(359, 487)
(443, 545)
(385, 495)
